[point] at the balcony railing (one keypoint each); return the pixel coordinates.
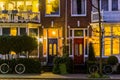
(15, 16)
(107, 16)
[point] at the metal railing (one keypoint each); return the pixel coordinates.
(24, 16)
(107, 16)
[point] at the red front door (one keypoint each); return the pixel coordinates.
(78, 51)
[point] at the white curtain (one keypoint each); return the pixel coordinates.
(74, 6)
(83, 7)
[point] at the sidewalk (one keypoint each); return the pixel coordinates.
(50, 75)
(43, 75)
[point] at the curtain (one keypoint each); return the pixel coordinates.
(114, 5)
(74, 6)
(104, 5)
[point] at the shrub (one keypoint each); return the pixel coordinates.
(32, 66)
(112, 60)
(63, 60)
(91, 56)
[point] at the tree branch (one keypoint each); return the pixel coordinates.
(90, 1)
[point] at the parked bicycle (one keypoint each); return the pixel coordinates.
(5, 68)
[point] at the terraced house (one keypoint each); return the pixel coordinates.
(65, 22)
(60, 23)
(19, 17)
(110, 14)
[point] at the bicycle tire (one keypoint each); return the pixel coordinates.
(19, 68)
(4, 68)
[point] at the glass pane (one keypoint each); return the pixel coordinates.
(22, 31)
(78, 33)
(52, 7)
(5, 31)
(55, 49)
(96, 46)
(104, 5)
(80, 49)
(107, 31)
(70, 46)
(115, 45)
(116, 31)
(107, 47)
(50, 49)
(114, 5)
(76, 49)
(78, 7)
(33, 31)
(13, 31)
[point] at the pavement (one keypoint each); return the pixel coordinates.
(49, 75)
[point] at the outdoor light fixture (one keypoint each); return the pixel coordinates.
(53, 32)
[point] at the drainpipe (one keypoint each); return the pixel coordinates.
(65, 24)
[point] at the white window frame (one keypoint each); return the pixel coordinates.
(79, 14)
(52, 15)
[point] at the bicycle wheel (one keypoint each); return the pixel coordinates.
(107, 69)
(93, 68)
(19, 68)
(4, 68)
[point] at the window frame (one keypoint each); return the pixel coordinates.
(79, 14)
(52, 15)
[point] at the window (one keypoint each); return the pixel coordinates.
(104, 5)
(52, 7)
(78, 7)
(78, 33)
(6, 31)
(22, 31)
(114, 5)
(33, 31)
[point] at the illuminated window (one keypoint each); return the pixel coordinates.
(115, 45)
(78, 7)
(78, 33)
(54, 47)
(80, 49)
(107, 31)
(107, 47)
(52, 7)
(50, 49)
(13, 31)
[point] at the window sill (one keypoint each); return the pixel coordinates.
(52, 15)
(75, 15)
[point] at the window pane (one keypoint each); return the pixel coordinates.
(76, 49)
(22, 31)
(107, 31)
(33, 31)
(52, 7)
(70, 46)
(107, 47)
(78, 33)
(50, 49)
(78, 7)
(13, 31)
(55, 49)
(114, 5)
(104, 5)
(115, 45)
(80, 49)
(5, 31)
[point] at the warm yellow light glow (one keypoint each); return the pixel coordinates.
(13, 53)
(13, 31)
(53, 32)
